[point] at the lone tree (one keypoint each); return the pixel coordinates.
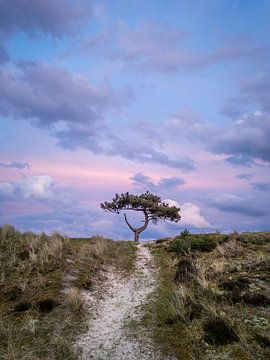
(149, 204)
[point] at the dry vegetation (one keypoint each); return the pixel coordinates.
(213, 300)
(42, 310)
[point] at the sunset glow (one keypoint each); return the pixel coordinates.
(99, 97)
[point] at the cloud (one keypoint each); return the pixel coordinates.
(261, 186)
(190, 214)
(74, 111)
(172, 182)
(246, 140)
(186, 124)
(55, 17)
(253, 90)
(243, 142)
(36, 189)
(3, 55)
(164, 184)
(160, 48)
(244, 176)
(15, 165)
(240, 160)
(236, 204)
(47, 95)
(140, 179)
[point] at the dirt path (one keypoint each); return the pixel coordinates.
(108, 337)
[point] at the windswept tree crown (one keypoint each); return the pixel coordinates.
(150, 204)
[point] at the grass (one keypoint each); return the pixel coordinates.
(212, 299)
(211, 303)
(42, 309)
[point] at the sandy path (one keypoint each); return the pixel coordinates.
(107, 337)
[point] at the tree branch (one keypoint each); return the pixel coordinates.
(128, 224)
(146, 222)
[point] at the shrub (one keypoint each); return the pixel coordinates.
(192, 243)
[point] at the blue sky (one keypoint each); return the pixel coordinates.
(99, 97)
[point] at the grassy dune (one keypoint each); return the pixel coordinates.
(42, 310)
(213, 297)
(212, 300)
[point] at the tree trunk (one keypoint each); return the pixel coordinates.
(140, 229)
(136, 236)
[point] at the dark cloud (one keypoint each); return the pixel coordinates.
(248, 138)
(15, 165)
(159, 48)
(48, 95)
(235, 204)
(144, 153)
(256, 90)
(261, 186)
(244, 176)
(240, 160)
(245, 140)
(73, 111)
(253, 90)
(55, 17)
(141, 179)
(171, 182)
(164, 184)
(3, 55)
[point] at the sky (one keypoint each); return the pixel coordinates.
(104, 97)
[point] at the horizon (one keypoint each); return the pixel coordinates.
(101, 97)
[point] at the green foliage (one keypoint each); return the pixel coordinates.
(186, 243)
(147, 202)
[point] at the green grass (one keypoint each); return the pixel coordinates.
(182, 315)
(33, 269)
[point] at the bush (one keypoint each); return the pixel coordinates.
(191, 243)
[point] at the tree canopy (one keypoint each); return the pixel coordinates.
(151, 206)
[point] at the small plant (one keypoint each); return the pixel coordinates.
(74, 299)
(184, 234)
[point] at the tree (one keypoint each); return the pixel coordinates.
(149, 204)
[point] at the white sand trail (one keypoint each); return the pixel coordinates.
(108, 337)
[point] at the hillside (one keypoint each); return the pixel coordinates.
(189, 297)
(42, 308)
(213, 297)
